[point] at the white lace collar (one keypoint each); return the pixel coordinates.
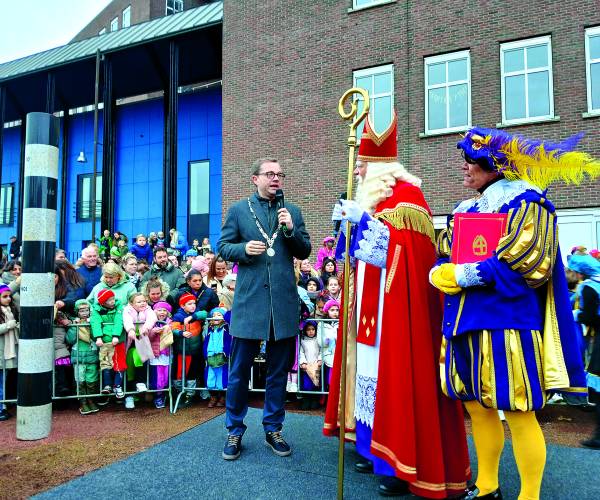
(495, 196)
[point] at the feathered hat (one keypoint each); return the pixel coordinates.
(379, 148)
(538, 162)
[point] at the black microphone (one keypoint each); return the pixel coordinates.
(338, 223)
(279, 201)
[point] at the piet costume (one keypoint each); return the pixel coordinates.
(403, 423)
(509, 336)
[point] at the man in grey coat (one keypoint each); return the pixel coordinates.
(263, 240)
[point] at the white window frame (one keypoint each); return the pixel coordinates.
(372, 71)
(114, 24)
(588, 62)
(453, 56)
(127, 11)
(522, 44)
(102, 32)
(372, 3)
(177, 6)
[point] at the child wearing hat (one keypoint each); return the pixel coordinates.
(107, 330)
(327, 250)
(138, 321)
(310, 362)
(161, 339)
(84, 357)
(327, 335)
(217, 348)
(9, 335)
(187, 345)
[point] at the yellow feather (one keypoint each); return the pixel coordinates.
(542, 169)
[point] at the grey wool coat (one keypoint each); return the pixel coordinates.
(266, 286)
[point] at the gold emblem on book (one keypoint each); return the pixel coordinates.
(480, 245)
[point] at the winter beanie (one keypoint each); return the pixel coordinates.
(104, 295)
(186, 297)
(163, 305)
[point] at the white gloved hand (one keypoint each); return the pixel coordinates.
(337, 212)
(351, 211)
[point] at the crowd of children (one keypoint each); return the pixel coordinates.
(135, 334)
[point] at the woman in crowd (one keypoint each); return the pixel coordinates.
(155, 290)
(130, 266)
(216, 274)
(328, 269)
(12, 270)
(303, 270)
(114, 279)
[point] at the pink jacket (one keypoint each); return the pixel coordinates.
(154, 336)
(131, 317)
(323, 253)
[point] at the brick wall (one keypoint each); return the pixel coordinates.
(285, 65)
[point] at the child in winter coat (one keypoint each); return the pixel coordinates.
(310, 362)
(84, 357)
(327, 335)
(187, 331)
(9, 339)
(161, 339)
(327, 250)
(107, 331)
(333, 288)
(138, 321)
(62, 356)
(142, 249)
(217, 348)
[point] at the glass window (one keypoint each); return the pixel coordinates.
(102, 31)
(448, 92)
(114, 24)
(127, 17)
(379, 83)
(84, 196)
(526, 68)
(199, 202)
(592, 66)
(6, 204)
(173, 6)
(359, 4)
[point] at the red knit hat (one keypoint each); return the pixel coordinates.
(379, 148)
(186, 297)
(104, 295)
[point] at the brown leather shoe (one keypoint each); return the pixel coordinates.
(212, 402)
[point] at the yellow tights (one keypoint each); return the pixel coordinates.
(528, 445)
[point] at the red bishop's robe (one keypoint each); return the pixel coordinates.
(416, 429)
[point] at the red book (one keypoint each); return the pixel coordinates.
(476, 236)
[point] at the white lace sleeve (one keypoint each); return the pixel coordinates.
(467, 275)
(373, 246)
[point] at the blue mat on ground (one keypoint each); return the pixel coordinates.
(190, 466)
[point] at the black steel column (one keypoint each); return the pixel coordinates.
(171, 100)
(107, 218)
(2, 108)
(50, 93)
(21, 181)
(64, 175)
(36, 343)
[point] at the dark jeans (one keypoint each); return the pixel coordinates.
(278, 360)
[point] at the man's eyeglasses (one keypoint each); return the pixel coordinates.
(271, 175)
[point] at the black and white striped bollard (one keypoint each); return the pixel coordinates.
(36, 344)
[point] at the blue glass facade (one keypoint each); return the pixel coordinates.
(138, 166)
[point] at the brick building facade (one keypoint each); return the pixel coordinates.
(285, 65)
(139, 11)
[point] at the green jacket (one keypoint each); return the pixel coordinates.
(100, 316)
(82, 352)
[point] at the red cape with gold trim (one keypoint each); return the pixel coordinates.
(416, 429)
